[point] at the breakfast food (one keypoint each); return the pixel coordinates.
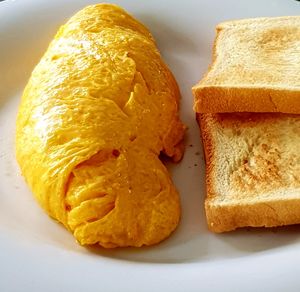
(255, 68)
(253, 169)
(97, 112)
(251, 140)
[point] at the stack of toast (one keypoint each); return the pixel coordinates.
(248, 109)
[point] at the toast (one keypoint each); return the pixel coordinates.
(255, 68)
(252, 169)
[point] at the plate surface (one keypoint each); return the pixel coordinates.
(37, 254)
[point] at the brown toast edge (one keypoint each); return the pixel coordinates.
(260, 214)
(238, 99)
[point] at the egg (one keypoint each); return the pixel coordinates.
(99, 109)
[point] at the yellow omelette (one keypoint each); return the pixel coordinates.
(98, 110)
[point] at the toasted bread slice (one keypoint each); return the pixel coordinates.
(255, 68)
(252, 169)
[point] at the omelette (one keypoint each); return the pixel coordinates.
(98, 110)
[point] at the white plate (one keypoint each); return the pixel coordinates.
(37, 254)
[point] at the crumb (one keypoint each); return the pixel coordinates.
(68, 208)
(197, 153)
(191, 145)
(195, 164)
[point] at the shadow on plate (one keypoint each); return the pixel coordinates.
(201, 248)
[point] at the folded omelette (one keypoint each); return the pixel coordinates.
(98, 110)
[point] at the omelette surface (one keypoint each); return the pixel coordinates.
(98, 110)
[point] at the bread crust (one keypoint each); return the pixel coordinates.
(207, 140)
(254, 68)
(258, 211)
(238, 99)
(222, 218)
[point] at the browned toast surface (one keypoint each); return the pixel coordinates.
(252, 169)
(255, 68)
